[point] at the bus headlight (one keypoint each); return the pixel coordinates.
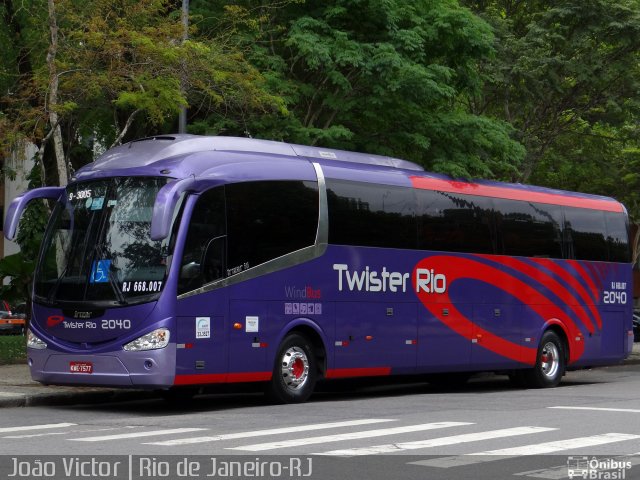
(151, 341)
(35, 342)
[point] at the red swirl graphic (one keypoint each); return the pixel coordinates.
(54, 320)
(459, 268)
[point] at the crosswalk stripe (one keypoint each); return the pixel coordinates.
(438, 442)
(348, 436)
(48, 434)
(272, 431)
(533, 449)
(35, 427)
(573, 443)
(598, 409)
(137, 435)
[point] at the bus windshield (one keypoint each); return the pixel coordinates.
(97, 248)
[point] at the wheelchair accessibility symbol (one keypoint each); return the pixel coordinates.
(100, 271)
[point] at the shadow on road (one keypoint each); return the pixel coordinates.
(232, 397)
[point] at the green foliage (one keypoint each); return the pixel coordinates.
(19, 267)
(389, 77)
(13, 349)
(542, 91)
(116, 61)
(565, 71)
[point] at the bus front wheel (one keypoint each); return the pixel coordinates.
(550, 363)
(295, 371)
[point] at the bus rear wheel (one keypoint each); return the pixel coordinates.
(550, 363)
(295, 371)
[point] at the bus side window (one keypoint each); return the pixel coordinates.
(269, 219)
(455, 222)
(371, 215)
(586, 233)
(201, 259)
(617, 237)
(529, 229)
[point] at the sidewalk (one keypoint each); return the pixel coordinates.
(18, 390)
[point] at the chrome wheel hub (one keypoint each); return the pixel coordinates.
(550, 360)
(295, 368)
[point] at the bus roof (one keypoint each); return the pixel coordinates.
(182, 156)
(147, 151)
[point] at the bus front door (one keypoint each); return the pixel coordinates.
(201, 355)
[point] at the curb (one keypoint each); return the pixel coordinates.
(74, 398)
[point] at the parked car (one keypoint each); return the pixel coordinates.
(11, 322)
(636, 326)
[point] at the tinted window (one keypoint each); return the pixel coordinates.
(266, 220)
(529, 229)
(206, 231)
(455, 223)
(617, 237)
(371, 215)
(586, 234)
(98, 246)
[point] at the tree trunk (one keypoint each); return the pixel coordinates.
(52, 103)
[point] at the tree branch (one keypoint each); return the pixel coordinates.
(126, 128)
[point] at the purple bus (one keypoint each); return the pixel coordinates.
(184, 261)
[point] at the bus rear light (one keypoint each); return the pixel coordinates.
(151, 341)
(35, 342)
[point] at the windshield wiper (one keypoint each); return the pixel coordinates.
(56, 286)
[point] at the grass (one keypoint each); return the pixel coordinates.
(13, 349)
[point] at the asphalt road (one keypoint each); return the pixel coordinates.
(489, 429)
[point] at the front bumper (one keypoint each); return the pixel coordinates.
(149, 369)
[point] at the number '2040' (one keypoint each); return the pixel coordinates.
(613, 297)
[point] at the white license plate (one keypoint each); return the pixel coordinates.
(81, 367)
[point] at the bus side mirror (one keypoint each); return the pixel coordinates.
(165, 206)
(18, 205)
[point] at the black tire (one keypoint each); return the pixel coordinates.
(550, 363)
(295, 371)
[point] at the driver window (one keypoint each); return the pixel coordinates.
(204, 249)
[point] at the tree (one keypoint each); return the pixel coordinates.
(99, 65)
(565, 72)
(387, 77)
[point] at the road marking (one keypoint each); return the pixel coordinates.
(438, 442)
(137, 435)
(599, 409)
(348, 436)
(47, 434)
(36, 427)
(573, 443)
(562, 471)
(534, 449)
(272, 431)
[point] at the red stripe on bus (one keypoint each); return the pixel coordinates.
(358, 372)
(205, 378)
(452, 186)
